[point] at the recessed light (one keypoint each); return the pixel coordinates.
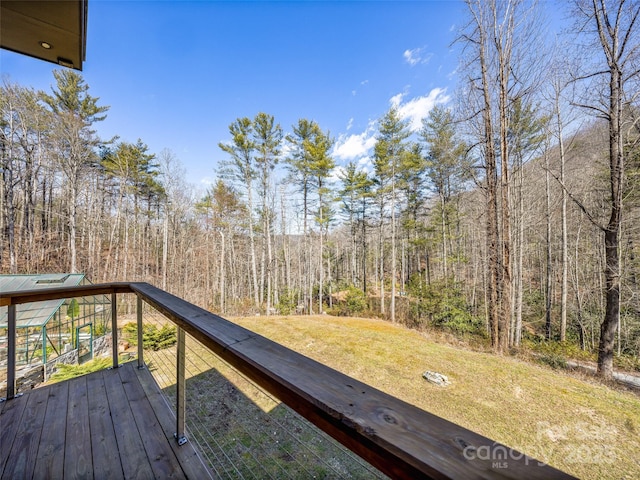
(45, 45)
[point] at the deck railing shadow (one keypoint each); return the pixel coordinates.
(399, 439)
(240, 429)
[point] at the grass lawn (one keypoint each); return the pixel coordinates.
(584, 428)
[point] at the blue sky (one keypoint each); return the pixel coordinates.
(177, 73)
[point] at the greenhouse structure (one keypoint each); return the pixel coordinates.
(47, 330)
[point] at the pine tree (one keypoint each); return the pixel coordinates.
(448, 168)
(267, 138)
(240, 169)
(355, 194)
(388, 153)
(76, 111)
(321, 165)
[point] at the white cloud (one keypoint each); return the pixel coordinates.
(366, 164)
(286, 150)
(350, 124)
(359, 146)
(417, 55)
(350, 147)
(364, 161)
(362, 83)
(418, 108)
(336, 174)
(410, 57)
(396, 100)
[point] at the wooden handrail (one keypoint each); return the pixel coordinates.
(399, 439)
(56, 293)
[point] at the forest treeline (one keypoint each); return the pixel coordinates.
(511, 213)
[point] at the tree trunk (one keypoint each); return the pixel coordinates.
(72, 222)
(493, 285)
(252, 242)
(565, 241)
(517, 331)
(611, 234)
(505, 297)
(443, 224)
(321, 272)
(270, 266)
(547, 289)
(10, 217)
(222, 275)
(392, 306)
(165, 248)
(381, 265)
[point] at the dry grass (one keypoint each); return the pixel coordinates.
(581, 427)
(241, 431)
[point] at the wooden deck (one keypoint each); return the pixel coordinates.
(110, 424)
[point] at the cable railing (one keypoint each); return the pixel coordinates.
(240, 429)
(229, 386)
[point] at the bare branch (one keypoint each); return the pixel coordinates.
(584, 77)
(603, 114)
(577, 201)
(628, 32)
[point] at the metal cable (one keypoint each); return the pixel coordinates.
(242, 430)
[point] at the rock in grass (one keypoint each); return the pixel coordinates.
(436, 378)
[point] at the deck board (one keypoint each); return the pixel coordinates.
(188, 458)
(102, 425)
(162, 459)
(135, 463)
(104, 447)
(22, 456)
(49, 463)
(77, 458)
(10, 417)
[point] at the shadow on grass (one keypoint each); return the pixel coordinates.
(244, 433)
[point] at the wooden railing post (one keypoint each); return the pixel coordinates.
(114, 329)
(11, 352)
(180, 388)
(139, 323)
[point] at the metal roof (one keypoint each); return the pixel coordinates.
(35, 314)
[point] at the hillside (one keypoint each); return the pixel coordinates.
(583, 428)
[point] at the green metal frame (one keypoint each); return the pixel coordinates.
(77, 346)
(94, 311)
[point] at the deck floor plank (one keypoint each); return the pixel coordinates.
(22, 457)
(108, 424)
(49, 462)
(10, 419)
(163, 460)
(77, 448)
(135, 463)
(186, 454)
(104, 447)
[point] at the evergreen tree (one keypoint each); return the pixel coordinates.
(76, 111)
(447, 167)
(389, 150)
(321, 165)
(299, 168)
(240, 169)
(355, 194)
(267, 138)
